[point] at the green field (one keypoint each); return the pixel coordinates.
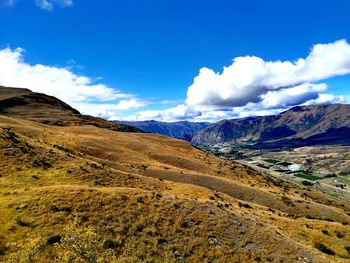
(308, 177)
(273, 161)
(344, 180)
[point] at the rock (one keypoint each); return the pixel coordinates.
(213, 241)
(178, 255)
(304, 260)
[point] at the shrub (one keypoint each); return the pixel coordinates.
(51, 240)
(244, 205)
(21, 222)
(339, 234)
(324, 249)
(325, 232)
(347, 249)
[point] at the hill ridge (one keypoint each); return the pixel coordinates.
(296, 126)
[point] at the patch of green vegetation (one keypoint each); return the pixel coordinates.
(307, 176)
(272, 161)
(344, 180)
(249, 160)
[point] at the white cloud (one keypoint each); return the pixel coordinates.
(347, 98)
(326, 99)
(64, 3)
(47, 5)
(249, 87)
(252, 86)
(79, 91)
(44, 4)
(249, 78)
(292, 96)
(180, 112)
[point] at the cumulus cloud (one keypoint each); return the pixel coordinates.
(326, 99)
(252, 86)
(249, 78)
(248, 87)
(292, 96)
(79, 91)
(179, 113)
(110, 111)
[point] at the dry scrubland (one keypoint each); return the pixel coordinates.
(87, 194)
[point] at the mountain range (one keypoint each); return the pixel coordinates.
(75, 188)
(296, 127)
(181, 129)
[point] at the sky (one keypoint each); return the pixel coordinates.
(178, 60)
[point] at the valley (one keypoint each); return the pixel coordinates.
(174, 131)
(79, 189)
(323, 168)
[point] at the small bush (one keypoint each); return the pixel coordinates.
(339, 234)
(347, 249)
(51, 240)
(21, 222)
(110, 244)
(10, 135)
(184, 224)
(324, 249)
(325, 232)
(41, 164)
(61, 148)
(244, 205)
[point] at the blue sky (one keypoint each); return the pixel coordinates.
(151, 51)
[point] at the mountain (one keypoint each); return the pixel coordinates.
(299, 126)
(181, 129)
(23, 103)
(84, 191)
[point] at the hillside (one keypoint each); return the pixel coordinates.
(299, 126)
(22, 103)
(180, 129)
(82, 193)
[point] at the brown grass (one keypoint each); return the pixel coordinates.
(126, 197)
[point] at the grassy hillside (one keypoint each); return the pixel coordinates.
(25, 104)
(88, 194)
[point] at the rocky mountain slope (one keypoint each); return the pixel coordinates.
(299, 126)
(180, 129)
(84, 193)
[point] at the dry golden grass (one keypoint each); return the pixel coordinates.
(87, 194)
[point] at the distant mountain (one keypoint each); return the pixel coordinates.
(299, 126)
(180, 129)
